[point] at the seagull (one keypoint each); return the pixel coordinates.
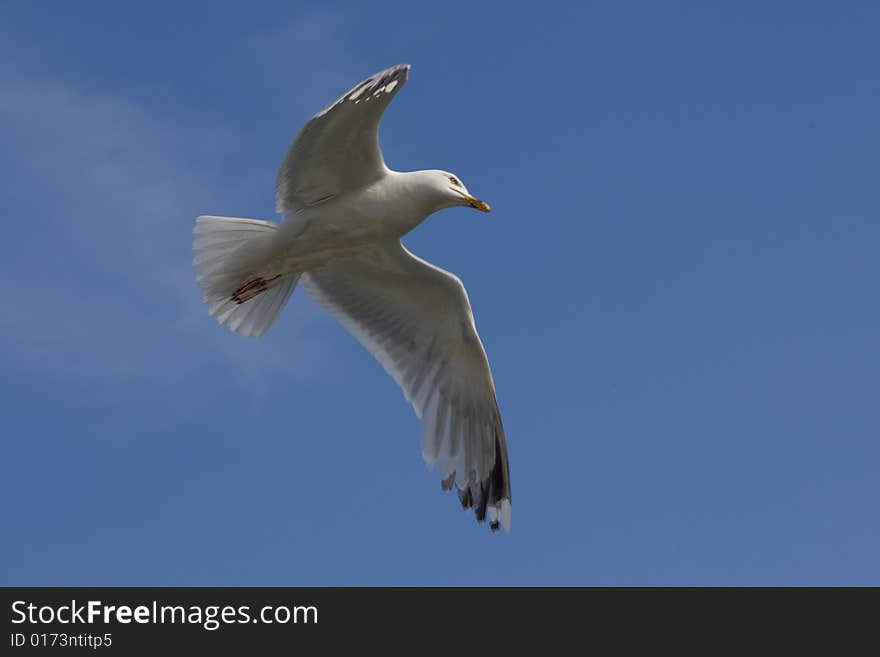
(344, 214)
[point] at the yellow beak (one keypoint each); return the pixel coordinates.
(478, 204)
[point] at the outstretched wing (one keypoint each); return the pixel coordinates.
(338, 149)
(416, 320)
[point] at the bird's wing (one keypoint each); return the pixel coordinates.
(338, 149)
(416, 320)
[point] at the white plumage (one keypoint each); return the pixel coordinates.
(345, 213)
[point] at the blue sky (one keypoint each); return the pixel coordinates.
(677, 290)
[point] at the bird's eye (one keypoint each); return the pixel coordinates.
(454, 181)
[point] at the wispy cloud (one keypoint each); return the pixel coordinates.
(100, 197)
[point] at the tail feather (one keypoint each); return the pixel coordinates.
(255, 316)
(228, 255)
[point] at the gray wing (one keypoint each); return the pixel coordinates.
(338, 149)
(416, 320)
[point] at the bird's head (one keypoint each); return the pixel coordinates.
(453, 192)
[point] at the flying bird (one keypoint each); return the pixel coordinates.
(345, 213)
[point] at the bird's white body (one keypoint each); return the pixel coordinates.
(342, 225)
(344, 214)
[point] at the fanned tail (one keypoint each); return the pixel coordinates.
(228, 255)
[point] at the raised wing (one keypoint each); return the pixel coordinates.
(416, 320)
(338, 149)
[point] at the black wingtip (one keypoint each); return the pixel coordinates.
(491, 493)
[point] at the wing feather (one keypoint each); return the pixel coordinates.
(416, 320)
(338, 149)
